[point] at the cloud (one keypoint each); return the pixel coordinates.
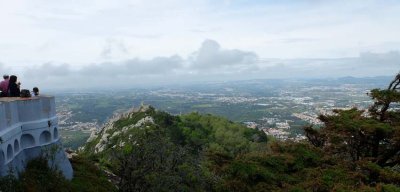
(113, 47)
(155, 66)
(367, 64)
(1, 66)
(388, 59)
(3, 70)
(48, 69)
(296, 40)
(210, 62)
(76, 30)
(131, 67)
(211, 56)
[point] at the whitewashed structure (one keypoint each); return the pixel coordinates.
(29, 127)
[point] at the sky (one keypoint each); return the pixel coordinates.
(124, 43)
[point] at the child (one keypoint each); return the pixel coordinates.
(35, 92)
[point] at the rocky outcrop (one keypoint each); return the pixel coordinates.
(101, 139)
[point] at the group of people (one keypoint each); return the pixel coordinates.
(10, 87)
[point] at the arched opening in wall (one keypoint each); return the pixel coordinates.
(45, 137)
(2, 158)
(16, 146)
(27, 140)
(55, 133)
(10, 153)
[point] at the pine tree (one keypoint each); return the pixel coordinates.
(363, 137)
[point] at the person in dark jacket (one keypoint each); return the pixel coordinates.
(13, 87)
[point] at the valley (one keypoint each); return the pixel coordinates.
(280, 108)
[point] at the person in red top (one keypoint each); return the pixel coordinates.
(4, 86)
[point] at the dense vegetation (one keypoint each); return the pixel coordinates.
(150, 150)
(39, 177)
(173, 152)
(355, 151)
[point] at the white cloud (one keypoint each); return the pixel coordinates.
(210, 62)
(134, 67)
(47, 69)
(76, 30)
(114, 49)
(211, 56)
(157, 40)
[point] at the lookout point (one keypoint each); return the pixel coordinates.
(28, 128)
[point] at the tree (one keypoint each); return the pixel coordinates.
(360, 136)
(383, 100)
(151, 162)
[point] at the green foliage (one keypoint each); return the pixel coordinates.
(39, 177)
(151, 162)
(9, 182)
(169, 154)
(353, 151)
(383, 100)
(88, 177)
(265, 171)
(73, 139)
(195, 152)
(131, 120)
(218, 134)
(367, 143)
(352, 135)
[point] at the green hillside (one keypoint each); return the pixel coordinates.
(154, 150)
(150, 150)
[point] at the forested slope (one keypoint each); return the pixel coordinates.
(151, 150)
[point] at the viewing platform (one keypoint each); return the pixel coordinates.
(26, 125)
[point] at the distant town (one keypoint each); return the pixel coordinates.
(279, 108)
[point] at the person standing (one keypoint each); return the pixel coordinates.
(4, 86)
(13, 87)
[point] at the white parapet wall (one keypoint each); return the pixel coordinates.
(28, 126)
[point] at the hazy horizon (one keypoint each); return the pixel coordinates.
(378, 81)
(126, 43)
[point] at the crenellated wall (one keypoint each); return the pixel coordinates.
(27, 125)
